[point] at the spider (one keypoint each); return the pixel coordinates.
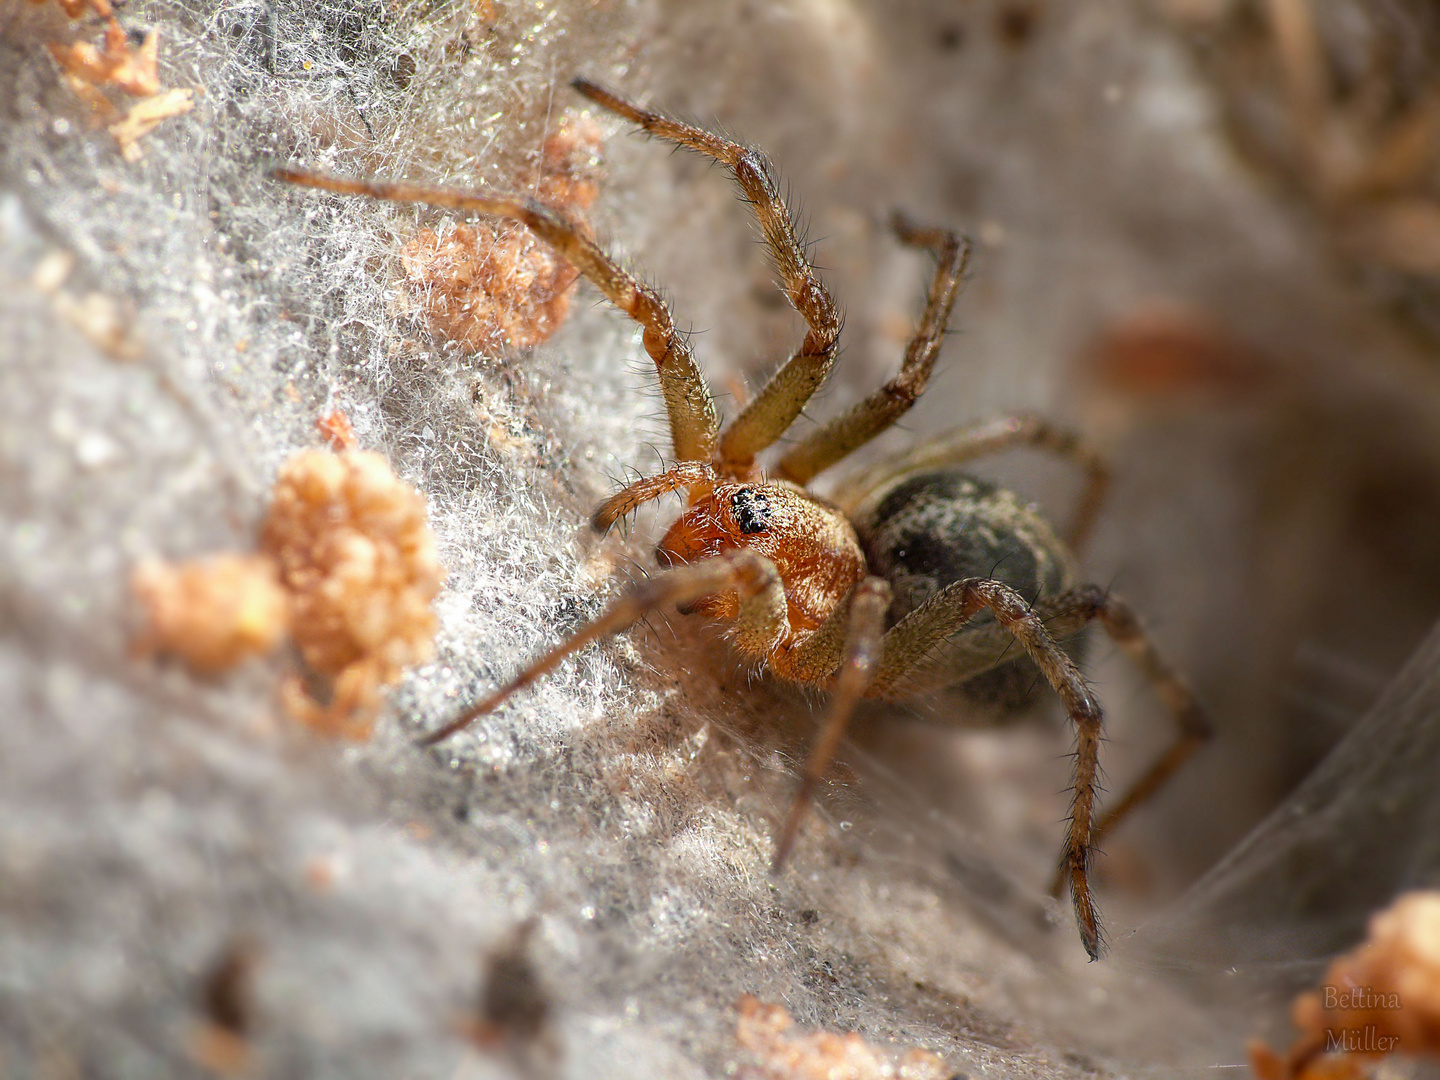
(915, 578)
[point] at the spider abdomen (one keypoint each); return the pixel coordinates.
(926, 530)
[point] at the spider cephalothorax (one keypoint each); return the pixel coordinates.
(813, 547)
(915, 578)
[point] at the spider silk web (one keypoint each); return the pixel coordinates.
(1364, 827)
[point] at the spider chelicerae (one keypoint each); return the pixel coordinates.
(916, 577)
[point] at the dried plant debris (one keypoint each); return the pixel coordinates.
(1382, 999)
(337, 431)
(1342, 100)
(228, 1011)
(494, 283)
(778, 1054)
(570, 165)
(348, 567)
(76, 8)
(115, 61)
(514, 1009)
(213, 612)
(359, 561)
(145, 116)
(97, 73)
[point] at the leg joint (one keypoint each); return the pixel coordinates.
(752, 172)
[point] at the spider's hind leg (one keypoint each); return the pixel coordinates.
(1070, 613)
(852, 656)
(910, 641)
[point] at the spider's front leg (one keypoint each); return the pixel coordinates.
(770, 413)
(694, 427)
(848, 432)
(911, 640)
(760, 623)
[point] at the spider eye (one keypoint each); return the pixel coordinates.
(752, 510)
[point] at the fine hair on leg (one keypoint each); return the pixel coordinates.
(852, 430)
(771, 411)
(694, 424)
(910, 640)
(748, 573)
(1071, 612)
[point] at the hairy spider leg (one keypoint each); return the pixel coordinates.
(908, 642)
(752, 576)
(1072, 611)
(1065, 615)
(771, 411)
(992, 437)
(865, 629)
(847, 433)
(631, 497)
(694, 425)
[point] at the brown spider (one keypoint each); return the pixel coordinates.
(876, 595)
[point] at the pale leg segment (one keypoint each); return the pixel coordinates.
(648, 488)
(1069, 613)
(993, 437)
